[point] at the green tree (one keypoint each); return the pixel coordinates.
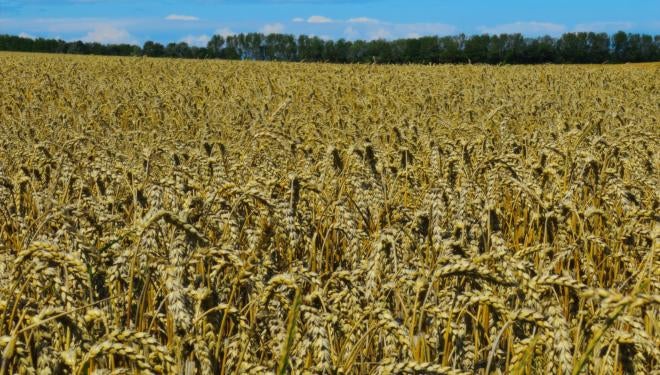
(599, 47)
(620, 46)
(254, 46)
(215, 45)
(232, 48)
(574, 47)
(476, 48)
(310, 48)
(153, 49)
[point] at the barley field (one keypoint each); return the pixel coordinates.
(209, 217)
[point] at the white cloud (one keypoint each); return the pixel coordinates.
(527, 28)
(26, 35)
(363, 20)
(319, 19)
(351, 33)
(272, 28)
(224, 32)
(603, 26)
(64, 26)
(181, 17)
(324, 19)
(196, 40)
(422, 29)
(109, 34)
(380, 33)
(372, 29)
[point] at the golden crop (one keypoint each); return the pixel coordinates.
(163, 216)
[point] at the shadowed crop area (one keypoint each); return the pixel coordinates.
(205, 217)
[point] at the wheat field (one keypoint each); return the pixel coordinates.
(209, 217)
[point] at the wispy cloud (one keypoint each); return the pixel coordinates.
(371, 28)
(224, 32)
(389, 30)
(363, 20)
(380, 33)
(351, 33)
(604, 26)
(26, 35)
(273, 28)
(86, 29)
(109, 34)
(196, 40)
(67, 25)
(525, 27)
(421, 29)
(319, 19)
(324, 19)
(181, 17)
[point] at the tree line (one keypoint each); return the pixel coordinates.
(576, 47)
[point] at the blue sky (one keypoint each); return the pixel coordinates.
(194, 21)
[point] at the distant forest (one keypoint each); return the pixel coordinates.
(575, 48)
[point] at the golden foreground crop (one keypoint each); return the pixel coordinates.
(162, 216)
